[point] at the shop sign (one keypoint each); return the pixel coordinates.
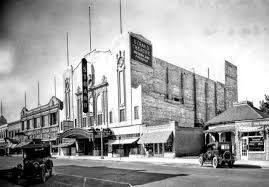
(256, 141)
(84, 86)
(256, 123)
(141, 51)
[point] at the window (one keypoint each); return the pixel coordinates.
(75, 122)
(28, 124)
(91, 120)
(35, 123)
(42, 122)
(110, 117)
(122, 87)
(84, 122)
(53, 120)
(22, 125)
(256, 143)
(136, 115)
(122, 115)
(100, 119)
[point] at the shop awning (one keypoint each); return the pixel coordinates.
(250, 129)
(13, 146)
(9, 145)
(123, 141)
(21, 144)
(221, 129)
(65, 144)
(154, 137)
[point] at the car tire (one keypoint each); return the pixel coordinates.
(43, 175)
(215, 162)
(201, 161)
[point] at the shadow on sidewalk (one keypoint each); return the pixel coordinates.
(133, 177)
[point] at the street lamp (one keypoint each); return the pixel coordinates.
(120, 146)
(102, 150)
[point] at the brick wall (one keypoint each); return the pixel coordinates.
(231, 84)
(170, 92)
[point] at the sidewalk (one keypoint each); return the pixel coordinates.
(192, 160)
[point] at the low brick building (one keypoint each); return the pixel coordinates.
(246, 127)
(139, 97)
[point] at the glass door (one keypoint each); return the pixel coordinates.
(244, 150)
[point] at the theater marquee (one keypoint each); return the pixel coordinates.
(141, 51)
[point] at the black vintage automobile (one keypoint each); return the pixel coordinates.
(218, 154)
(36, 162)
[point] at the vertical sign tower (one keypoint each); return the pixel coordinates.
(84, 85)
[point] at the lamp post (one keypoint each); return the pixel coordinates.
(102, 149)
(120, 146)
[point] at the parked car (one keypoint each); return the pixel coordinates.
(218, 154)
(36, 162)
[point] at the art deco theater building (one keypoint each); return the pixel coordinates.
(139, 104)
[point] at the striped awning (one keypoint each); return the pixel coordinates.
(21, 144)
(123, 141)
(65, 144)
(154, 137)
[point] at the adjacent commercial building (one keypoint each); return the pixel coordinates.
(246, 127)
(42, 122)
(3, 133)
(138, 104)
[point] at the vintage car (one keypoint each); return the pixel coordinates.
(36, 162)
(218, 154)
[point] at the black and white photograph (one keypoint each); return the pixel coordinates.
(124, 93)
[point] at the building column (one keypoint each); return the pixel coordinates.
(219, 136)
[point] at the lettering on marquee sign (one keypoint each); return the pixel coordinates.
(84, 86)
(141, 51)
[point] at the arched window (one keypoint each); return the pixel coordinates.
(99, 110)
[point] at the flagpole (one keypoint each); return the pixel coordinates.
(54, 86)
(90, 28)
(67, 49)
(38, 93)
(120, 19)
(25, 99)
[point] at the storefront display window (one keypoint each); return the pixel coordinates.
(256, 143)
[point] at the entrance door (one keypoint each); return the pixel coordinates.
(244, 151)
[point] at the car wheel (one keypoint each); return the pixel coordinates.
(215, 162)
(43, 175)
(201, 161)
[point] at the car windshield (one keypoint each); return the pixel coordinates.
(225, 146)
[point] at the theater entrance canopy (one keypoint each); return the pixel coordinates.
(78, 133)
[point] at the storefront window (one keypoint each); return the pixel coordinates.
(156, 148)
(161, 148)
(256, 143)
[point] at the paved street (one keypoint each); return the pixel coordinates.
(116, 173)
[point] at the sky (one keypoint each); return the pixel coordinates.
(193, 34)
